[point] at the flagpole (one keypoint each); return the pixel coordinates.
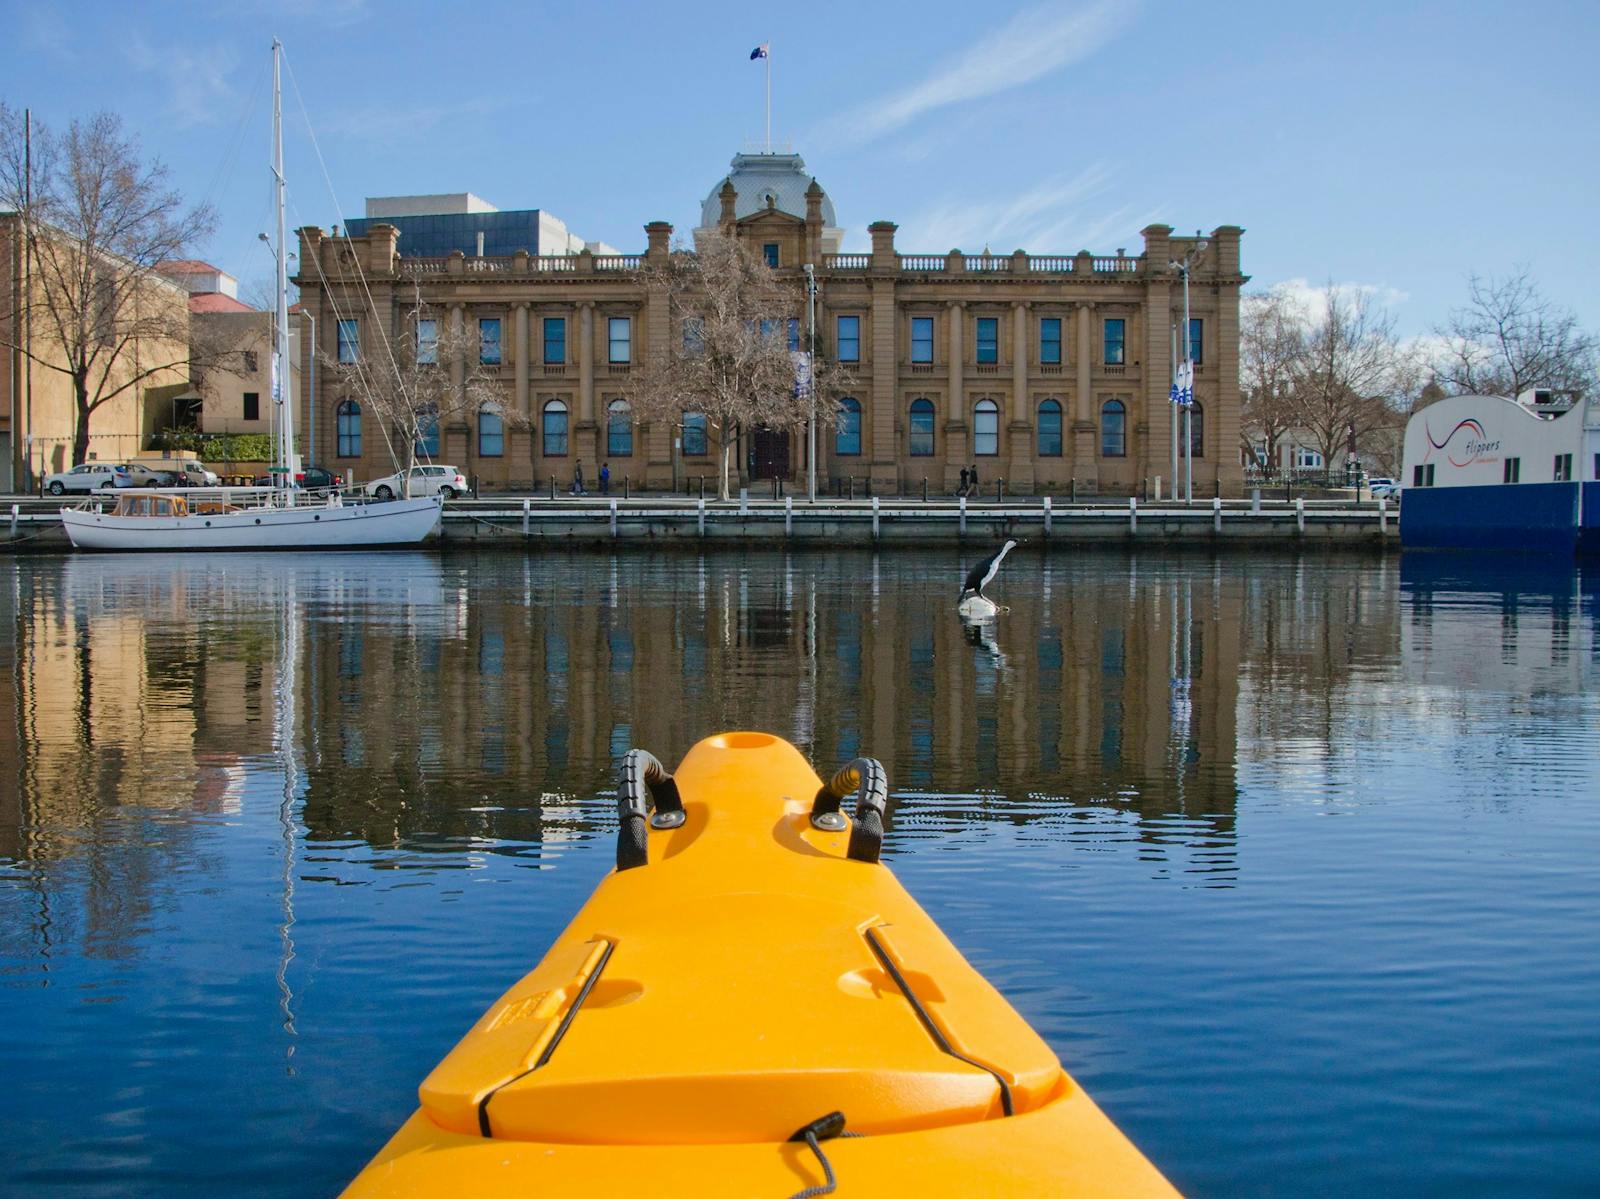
(768, 57)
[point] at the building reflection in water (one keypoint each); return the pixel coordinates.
(456, 706)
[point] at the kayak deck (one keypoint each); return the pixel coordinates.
(739, 976)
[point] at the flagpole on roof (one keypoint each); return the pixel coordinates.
(768, 57)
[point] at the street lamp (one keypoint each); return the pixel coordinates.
(1184, 268)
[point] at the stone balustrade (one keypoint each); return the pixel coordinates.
(988, 264)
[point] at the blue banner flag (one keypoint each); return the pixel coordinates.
(761, 51)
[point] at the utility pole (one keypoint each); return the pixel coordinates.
(811, 383)
(1183, 388)
(27, 287)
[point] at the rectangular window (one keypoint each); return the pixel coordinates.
(427, 342)
(251, 361)
(922, 339)
(770, 253)
(1116, 334)
(694, 336)
(694, 434)
(1597, 466)
(350, 341)
(619, 340)
(849, 338)
(794, 334)
(489, 341)
(1422, 476)
(555, 340)
(1050, 341)
(1513, 470)
(252, 405)
(1563, 468)
(1196, 339)
(988, 339)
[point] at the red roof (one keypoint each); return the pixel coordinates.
(215, 301)
(189, 266)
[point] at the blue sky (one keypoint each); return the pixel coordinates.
(1388, 145)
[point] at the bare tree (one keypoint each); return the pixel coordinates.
(420, 378)
(99, 221)
(726, 356)
(1272, 349)
(1510, 338)
(1348, 362)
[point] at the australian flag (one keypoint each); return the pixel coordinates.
(761, 51)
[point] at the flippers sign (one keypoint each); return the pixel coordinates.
(1465, 444)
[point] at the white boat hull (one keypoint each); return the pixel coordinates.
(398, 522)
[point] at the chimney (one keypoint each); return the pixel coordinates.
(883, 255)
(659, 234)
(727, 195)
(814, 222)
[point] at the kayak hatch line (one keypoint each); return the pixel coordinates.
(549, 1050)
(939, 1038)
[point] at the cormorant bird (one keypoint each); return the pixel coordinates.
(973, 604)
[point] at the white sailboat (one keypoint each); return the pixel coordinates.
(255, 518)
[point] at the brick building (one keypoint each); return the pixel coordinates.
(1044, 370)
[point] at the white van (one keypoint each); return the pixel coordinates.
(187, 471)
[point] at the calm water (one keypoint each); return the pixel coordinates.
(1296, 862)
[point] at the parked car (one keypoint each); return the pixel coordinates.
(1383, 489)
(311, 478)
(91, 476)
(176, 472)
(425, 480)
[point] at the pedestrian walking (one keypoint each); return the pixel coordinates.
(605, 478)
(962, 490)
(577, 479)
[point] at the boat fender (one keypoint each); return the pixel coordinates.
(644, 781)
(866, 778)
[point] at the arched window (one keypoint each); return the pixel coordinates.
(619, 429)
(1050, 429)
(694, 434)
(1113, 430)
(348, 419)
(1197, 431)
(986, 429)
(554, 428)
(922, 428)
(491, 433)
(428, 431)
(847, 439)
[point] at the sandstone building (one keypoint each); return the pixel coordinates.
(1046, 370)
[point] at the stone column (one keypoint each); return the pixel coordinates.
(956, 442)
(586, 364)
(1084, 466)
(1019, 427)
(458, 365)
(521, 366)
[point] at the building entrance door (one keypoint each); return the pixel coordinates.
(769, 454)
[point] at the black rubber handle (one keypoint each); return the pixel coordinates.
(864, 776)
(644, 782)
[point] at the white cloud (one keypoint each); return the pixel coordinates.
(197, 82)
(1061, 214)
(1308, 299)
(1034, 43)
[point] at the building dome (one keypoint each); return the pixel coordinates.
(756, 177)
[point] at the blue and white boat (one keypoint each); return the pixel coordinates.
(1485, 472)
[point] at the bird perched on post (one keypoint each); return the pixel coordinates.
(973, 604)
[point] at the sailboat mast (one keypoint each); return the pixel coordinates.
(281, 371)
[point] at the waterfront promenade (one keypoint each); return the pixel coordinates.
(34, 523)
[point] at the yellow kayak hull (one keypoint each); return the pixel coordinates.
(749, 968)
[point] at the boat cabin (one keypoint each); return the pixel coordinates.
(151, 505)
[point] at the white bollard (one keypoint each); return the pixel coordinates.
(527, 508)
(1383, 515)
(613, 520)
(744, 501)
(788, 516)
(1255, 499)
(16, 511)
(1133, 514)
(1300, 513)
(963, 516)
(1047, 516)
(1216, 514)
(874, 518)
(702, 516)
